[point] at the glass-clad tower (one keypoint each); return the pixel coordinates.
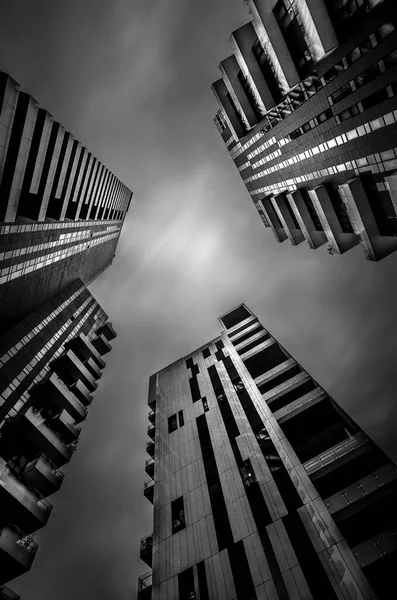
(308, 112)
(263, 488)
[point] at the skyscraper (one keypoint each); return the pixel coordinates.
(262, 486)
(61, 209)
(62, 212)
(308, 113)
(50, 364)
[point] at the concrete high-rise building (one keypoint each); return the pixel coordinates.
(50, 363)
(308, 113)
(61, 209)
(263, 487)
(61, 213)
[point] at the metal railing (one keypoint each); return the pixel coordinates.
(148, 484)
(337, 451)
(145, 581)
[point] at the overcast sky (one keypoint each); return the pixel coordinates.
(131, 80)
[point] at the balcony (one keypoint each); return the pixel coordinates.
(317, 428)
(146, 552)
(101, 344)
(151, 431)
(53, 392)
(84, 350)
(63, 424)
(16, 554)
(149, 467)
(150, 449)
(334, 454)
(362, 489)
(81, 392)
(148, 490)
(21, 505)
(92, 368)
(152, 417)
(70, 369)
(7, 594)
(107, 331)
(33, 427)
(145, 586)
(42, 475)
(297, 406)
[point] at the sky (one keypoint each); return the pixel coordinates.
(131, 80)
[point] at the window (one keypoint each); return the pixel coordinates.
(181, 419)
(206, 353)
(187, 591)
(247, 473)
(341, 93)
(189, 363)
(172, 424)
(178, 515)
(202, 581)
(194, 389)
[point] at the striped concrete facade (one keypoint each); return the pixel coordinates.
(61, 209)
(308, 113)
(45, 172)
(262, 486)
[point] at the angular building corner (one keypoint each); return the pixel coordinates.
(261, 485)
(61, 209)
(61, 213)
(308, 113)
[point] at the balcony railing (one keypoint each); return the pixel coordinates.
(146, 551)
(42, 475)
(151, 431)
(148, 490)
(149, 467)
(329, 456)
(150, 448)
(145, 586)
(152, 417)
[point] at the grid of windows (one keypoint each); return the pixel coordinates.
(373, 163)
(344, 138)
(46, 349)
(34, 264)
